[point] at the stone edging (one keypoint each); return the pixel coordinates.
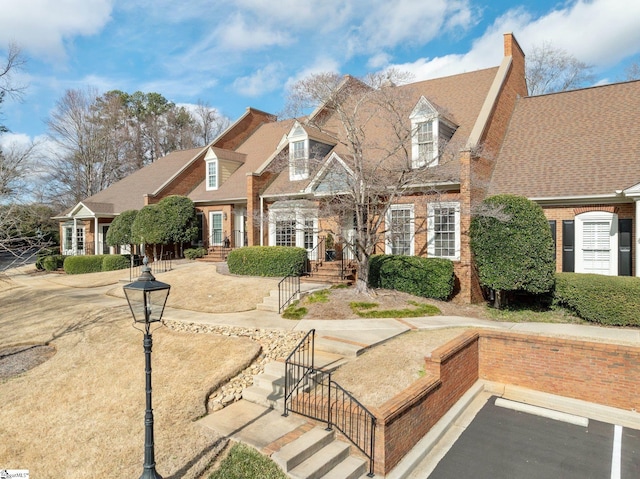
(274, 344)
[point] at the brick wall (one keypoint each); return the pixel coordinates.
(605, 374)
(405, 419)
(601, 373)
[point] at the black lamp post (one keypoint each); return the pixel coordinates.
(146, 298)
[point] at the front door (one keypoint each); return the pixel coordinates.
(216, 228)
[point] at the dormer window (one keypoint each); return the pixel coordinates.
(425, 140)
(212, 174)
(429, 133)
(298, 153)
(298, 163)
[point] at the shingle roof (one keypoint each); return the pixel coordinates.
(256, 149)
(128, 193)
(459, 98)
(578, 143)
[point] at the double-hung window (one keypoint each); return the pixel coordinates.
(400, 230)
(298, 159)
(443, 234)
(212, 174)
(426, 143)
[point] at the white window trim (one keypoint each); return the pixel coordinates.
(293, 174)
(431, 246)
(299, 215)
(424, 112)
(212, 163)
(389, 241)
(591, 216)
(211, 238)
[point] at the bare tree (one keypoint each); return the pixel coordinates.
(15, 167)
(632, 72)
(550, 69)
(209, 122)
(368, 121)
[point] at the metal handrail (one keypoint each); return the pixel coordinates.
(318, 252)
(288, 289)
(325, 400)
(161, 265)
(302, 356)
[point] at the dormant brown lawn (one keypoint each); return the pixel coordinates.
(81, 413)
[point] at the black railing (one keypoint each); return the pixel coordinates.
(160, 265)
(297, 366)
(288, 290)
(313, 393)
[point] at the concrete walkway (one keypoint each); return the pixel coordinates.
(265, 428)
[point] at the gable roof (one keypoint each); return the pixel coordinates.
(572, 144)
(128, 193)
(255, 149)
(458, 99)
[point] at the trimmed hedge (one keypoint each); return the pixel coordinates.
(193, 253)
(83, 264)
(53, 262)
(608, 300)
(44, 253)
(425, 277)
(267, 260)
(113, 262)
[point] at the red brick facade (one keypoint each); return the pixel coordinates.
(605, 374)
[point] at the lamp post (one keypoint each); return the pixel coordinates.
(146, 298)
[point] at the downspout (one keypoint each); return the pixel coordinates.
(74, 237)
(261, 220)
(96, 236)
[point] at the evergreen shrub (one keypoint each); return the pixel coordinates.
(83, 264)
(113, 262)
(53, 262)
(425, 277)
(608, 300)
(193, 253)
(267, 260)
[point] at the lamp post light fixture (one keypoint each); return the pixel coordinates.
(147, 298)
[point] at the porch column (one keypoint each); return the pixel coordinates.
(74, 237)
(636, 222)
(96, 237)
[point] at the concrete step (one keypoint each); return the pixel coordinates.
(350, 468)
(320, 463)
(269, 381)
(338, 347)
(296, 452)
(275, 368)
(263, 396)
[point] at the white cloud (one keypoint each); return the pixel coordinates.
(239, 34)
(564, 28)
(260, 82)
(389, 24)
(43, 27)
(11, 140)
(320, 65)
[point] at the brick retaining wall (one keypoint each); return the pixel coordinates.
(601, 373)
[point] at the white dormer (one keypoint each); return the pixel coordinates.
(427, 131)
(298, 153)
(213, 177)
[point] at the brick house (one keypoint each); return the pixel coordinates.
(575, 153)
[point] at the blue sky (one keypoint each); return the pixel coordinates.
(235, 54)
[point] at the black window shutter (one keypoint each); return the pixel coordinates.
(624, 247)
(568, 246)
